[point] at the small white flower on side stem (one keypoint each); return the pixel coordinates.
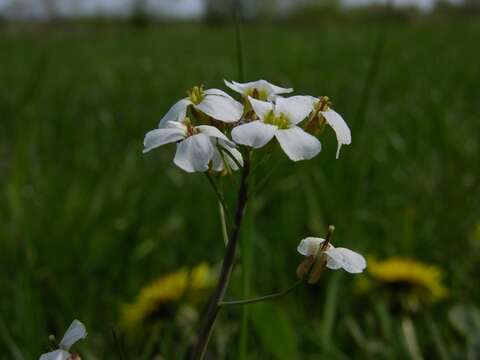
(260, 89)
(320, 253)
(320, 107)
(195, 144)
(279, 120)
(212, 102)
(75, 332)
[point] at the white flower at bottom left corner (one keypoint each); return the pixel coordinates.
(195, 148)
(75, 332)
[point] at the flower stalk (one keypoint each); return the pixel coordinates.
(262, 298)
(227, 266)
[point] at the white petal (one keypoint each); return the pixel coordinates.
(176, 112)
(194, 153)
(219, 159)
(176, 125)
(255, 134)
(309, 246)
(333, 264)
(340, 127)
(297, 144)
(221, 107)
(217, 92)
(349, 260)
(56, 355)
(235, 86)
(260, 85)
(248, 87)
(159, 137)
(212, 131)
(306, 100)
(261, 108)
(237, 155)
(280, 90)
(295, 111)
(76, 331)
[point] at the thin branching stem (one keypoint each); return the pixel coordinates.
(262, 298)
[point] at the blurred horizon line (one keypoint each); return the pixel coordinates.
(193, 9)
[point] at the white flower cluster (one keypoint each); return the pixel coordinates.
(201, 123)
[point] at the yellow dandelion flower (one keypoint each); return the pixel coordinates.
(423, 280)
(167, 289)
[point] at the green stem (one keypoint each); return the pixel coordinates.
(238, 41)
(223, 223)
(220, 197)
(247, 240)
(203, 339)
(410, 338)
(246, 259)
(373, 70)
(262, 298)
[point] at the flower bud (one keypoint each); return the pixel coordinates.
(305, 266)
(317, 269)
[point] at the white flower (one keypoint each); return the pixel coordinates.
(279, 120)
(332, 118)
(263, 89)
(337, 258)
(195, 148)
(212, 102)
(75, 332)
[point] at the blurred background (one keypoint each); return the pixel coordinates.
(91, 228)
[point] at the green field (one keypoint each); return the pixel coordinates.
(87, 220)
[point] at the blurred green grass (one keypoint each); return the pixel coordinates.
(86, 220)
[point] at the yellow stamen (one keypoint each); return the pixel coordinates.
(196, 94)
(281, 121)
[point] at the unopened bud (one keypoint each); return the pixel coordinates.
(305, 266)
(317, 269)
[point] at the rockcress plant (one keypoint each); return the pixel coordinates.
(217, 135)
